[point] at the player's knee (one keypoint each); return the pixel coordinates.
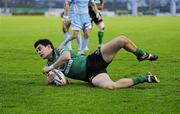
(123, 39)
(75, 35)
(101, 26)
(101, 29)
(86, 34)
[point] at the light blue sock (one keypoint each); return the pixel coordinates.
(79, 41)
(67, 36)
(84, 43)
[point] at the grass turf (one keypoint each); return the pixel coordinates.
(23, 87)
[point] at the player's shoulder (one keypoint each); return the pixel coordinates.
(60, 50)
(65, 48)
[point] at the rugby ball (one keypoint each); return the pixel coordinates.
(59, 78)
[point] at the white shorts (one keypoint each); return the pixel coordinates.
(81, 22)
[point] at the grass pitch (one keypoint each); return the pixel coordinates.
(23, 88)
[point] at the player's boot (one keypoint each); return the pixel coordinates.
(81, 52)
(86, 49)
(147, 56)
(152, 78)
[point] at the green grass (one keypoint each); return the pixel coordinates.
(23, 88)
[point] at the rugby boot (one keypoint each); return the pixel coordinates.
(152, 78)
(147, 56)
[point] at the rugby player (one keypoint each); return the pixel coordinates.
(93, 68)
(80, 20)
(65, 28)
(98, 21)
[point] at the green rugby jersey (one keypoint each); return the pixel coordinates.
(75, 68)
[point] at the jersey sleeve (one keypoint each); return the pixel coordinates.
(64, 49)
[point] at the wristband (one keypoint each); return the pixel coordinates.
(65, 17)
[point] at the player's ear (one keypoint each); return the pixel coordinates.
(49, 46)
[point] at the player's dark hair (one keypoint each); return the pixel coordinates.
(43, 42)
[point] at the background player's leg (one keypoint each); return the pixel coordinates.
(100, 33)
(79, 41)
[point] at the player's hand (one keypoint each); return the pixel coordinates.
(65, 19)
(50, 78)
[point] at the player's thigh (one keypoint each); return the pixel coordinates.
(110, 49)
(75, 33)
(103, 80)
(66, 25)
(101, 25)
(87, 32)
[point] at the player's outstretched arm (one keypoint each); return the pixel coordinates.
(64, 58)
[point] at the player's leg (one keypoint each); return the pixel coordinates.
(101, 27)
(127, 82)
(76, 27)
(85, 41)
(110, 49)
(86, 20)
(74, 36)
(67, 35)
(79, 41)
(100, 24)
(103, 81)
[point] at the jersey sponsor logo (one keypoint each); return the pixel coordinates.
(68, 67)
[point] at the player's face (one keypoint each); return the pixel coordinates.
(44, 51)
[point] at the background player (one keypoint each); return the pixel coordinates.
(98, 21)
(80, 21)
(66, 25)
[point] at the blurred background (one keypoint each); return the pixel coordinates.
(111, 7)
